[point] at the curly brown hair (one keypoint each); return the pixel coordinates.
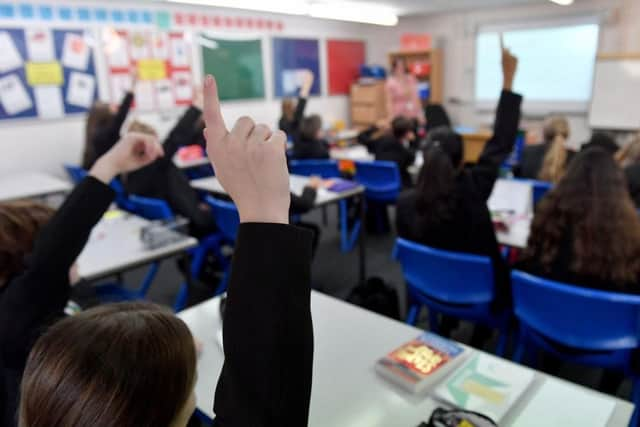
(592, 204)
(20, 223)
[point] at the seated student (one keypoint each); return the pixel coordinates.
(448, 208)
(548, 161)
(103, 127)
(35, 277)
(393, 146)
(65, 384)
(603, 141)
(163, 180)
(309, 144)
(292, 111)
(586, 231)
(629, 159)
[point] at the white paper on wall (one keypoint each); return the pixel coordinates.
(116, 49)
(160, 46)
(75, 52)
(164, 95)
(13, 95)
(81, 89)
(145, 98)
(179, 52)
(49, 102)
(40, 45)
(183, 85)
(139, 46)
(10, 58)
(120, 84)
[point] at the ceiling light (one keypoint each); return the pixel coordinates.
(355, 12)
(290, 7)
(562, 2)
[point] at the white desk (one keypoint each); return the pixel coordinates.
(346, 390)
(115, 246)
(353, 153)
(297, 184)
(31, 185)
(190, 164)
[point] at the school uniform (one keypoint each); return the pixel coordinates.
(292, 127)
(470, 229)
(309, 149)
(164, 180)
(301, 205)
(632, 173)
(389, 148)
(36, 298)
(105, 138)
(533, 158)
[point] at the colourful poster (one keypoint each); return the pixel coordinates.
(290, 58)
(345, 58)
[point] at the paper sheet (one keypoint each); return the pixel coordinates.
(40, 45)
(145, 98)
(139, 46)
(292, 80)
(160, 46)
(152, 69)
(49, 102)
(179, 52)
(13, 95)
(164, 95)
(183, 86)
(44, 74)
(75, 53)
(559, 404)
(120, 83)
(10, 57)
(81, 90)
(511, 196)
(116, 49)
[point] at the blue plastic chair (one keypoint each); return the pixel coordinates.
(76, 173)
(579, 325)
(383, 185)
(323, 168)
(228, 221)
(451, 283)
(540, 188)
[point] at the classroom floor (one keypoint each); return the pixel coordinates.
(336, 273)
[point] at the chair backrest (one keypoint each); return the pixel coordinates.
(150, 209)
(577, 317)
(540, 188)
(450, 277)
(76, 173)
(381, 179)
(226, 216)
(322, 168)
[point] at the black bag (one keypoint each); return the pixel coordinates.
(456, 418)
(375, 295)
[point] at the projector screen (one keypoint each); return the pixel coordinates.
(556, 67)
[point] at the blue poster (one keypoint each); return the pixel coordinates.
(45, 73)
(290, 58)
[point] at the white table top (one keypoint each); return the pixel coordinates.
(297, 184)
(353, 153)
(30, 185)
(188, 164)
(115, 246)
(346, 390)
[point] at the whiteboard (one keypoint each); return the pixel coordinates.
(615, 103)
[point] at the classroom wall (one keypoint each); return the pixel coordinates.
(455, 33)
(46, 145)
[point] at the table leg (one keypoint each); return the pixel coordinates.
(362, 241)
(182, 300)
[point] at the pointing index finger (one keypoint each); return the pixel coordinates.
(212, 115)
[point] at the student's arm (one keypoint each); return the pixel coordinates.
(304, 203)
(305, 91)
(182, 133)
(41, 292)
(268, 335)
(366, 138)
(505, 131)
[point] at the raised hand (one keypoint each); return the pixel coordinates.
(249, 161)
(132, 152)
(307, 83)
(509, 65)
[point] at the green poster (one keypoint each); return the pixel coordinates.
(236, 65)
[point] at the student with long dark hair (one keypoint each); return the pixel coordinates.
(34, 293)
(448, 208)
(293, 111)
(133, 365)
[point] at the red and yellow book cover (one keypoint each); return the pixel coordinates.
(416, 360)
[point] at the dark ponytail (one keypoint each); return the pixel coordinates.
(436, 186)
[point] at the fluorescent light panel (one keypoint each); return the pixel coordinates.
(562, 2)
(338, 10)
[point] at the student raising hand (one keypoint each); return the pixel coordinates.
(509, 66)
(249, 161)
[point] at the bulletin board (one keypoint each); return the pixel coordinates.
(162, 61)
(45, 73)
(290, 58)
(237, 66)
(345, 59)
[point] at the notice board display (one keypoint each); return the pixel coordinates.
(291, 57)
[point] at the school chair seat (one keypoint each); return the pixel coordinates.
(76, 173)
(381, 180)
(579, 325)
(540, 188)
(451, 283)
(228, 221)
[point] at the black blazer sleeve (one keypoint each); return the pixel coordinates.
(366, 138)
(268, 334)
(107, 137)
(304, 203)
(34, 298)
(298, 114)
(182, 133)
(498, 148)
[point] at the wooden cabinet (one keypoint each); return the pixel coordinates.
(432, 57)
(367, 103)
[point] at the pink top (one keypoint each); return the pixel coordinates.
(403, 97)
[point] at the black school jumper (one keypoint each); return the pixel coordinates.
(470, 230)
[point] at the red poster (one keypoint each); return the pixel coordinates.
(345, 59)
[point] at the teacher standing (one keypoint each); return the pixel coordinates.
(402, 93)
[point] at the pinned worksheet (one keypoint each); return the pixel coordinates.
(10, 58)
(164, 95)
(40, 45)
(160, 46)
(49, 102)
(13, 95)
(179, 52)
(81, 89)
(75, 52)
(120, 84)
(139, 46)
(183, 85)
(145, 96)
